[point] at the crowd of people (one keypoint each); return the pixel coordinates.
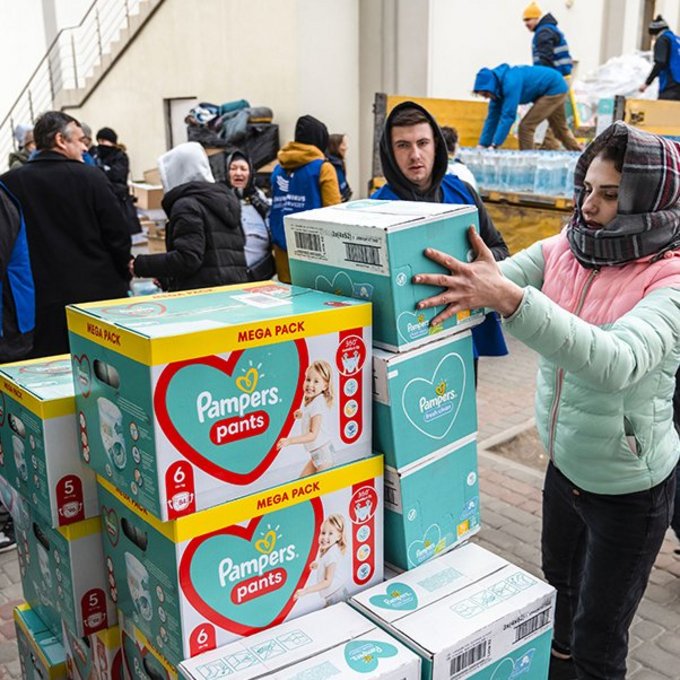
(600, 302)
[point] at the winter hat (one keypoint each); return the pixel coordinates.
(20, 132)
(657, 25)
(108, 134)
(309, 130)
(532, 11)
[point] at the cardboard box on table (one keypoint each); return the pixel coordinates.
(200, 581)
(468, 614)
(424, 400)
(149, 196)
(371, 250)
(39, 440)
(432, 505)
(41, 653)
(185, 400)
(332, 642)
(62, 570)
(95, 657)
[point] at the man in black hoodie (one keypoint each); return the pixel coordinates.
(415, 161)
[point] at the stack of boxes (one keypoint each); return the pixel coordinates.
(194, 410)
(424, 406)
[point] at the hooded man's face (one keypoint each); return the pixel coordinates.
(414, 151)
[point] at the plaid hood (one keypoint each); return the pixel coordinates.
(648, 219)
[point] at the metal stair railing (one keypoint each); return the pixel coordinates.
(70, 60)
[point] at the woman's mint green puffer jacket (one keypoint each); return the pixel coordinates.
(609, 342)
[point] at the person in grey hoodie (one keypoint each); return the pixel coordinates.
(204, 239)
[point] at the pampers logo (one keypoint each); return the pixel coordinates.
(441, 404)
(263, 573)
(243, 422)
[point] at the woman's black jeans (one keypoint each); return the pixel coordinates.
(598, 551)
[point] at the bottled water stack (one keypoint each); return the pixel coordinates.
(547, 173)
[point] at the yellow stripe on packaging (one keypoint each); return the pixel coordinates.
(257, 504)
(87, 527)
(158, 351)
(54, 408)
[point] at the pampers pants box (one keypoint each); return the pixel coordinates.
(197, 582)
(371, 250)
(432, 505)
(95, 657)
(41, 654)
(39, 440)
(423, 400)
(334, 642)
(62, 571)
(140, 660)
(188, 400)
(468, 614)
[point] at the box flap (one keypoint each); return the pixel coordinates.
(46, 379)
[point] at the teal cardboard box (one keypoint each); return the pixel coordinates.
(39, 440)
(424, 400)
(62, 571)
(431, 506)
(188, 400)
(200, 581)
(371, 250)
(468, 614)
(140, 659)
(41, 654)
(336, 642)
(94, 657)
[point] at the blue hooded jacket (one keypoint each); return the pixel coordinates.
(510, 87)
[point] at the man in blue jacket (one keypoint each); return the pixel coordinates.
(666, 60)
(549, 46)
(506, 87)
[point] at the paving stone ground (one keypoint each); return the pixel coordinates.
(511, 518)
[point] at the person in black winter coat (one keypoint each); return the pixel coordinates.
(336, 152)
(204, 239)
(110, 157)
(78, 240)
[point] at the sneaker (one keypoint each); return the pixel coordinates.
(561, 669)
(7, 540)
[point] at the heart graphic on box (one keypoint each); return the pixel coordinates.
(136, 310)
(243, 579)
(246, 404)
(421, 550)
(82, 374)
(362, 656)
(399, 597)
(432, 406)
(139, 662)
(340, 284)
(412, 326)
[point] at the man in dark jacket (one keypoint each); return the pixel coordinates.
(666, 60)
(549, 46)
(415, 161)
(78, 239)
(204, 239)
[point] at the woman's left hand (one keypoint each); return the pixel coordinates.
(469, 286)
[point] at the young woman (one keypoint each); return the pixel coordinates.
(600, 303)
(337, 150)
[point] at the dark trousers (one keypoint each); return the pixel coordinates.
(598, 551)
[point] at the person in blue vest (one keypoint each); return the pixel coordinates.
(666, 60)
(415, 162)
(506, 87)
(302, 180)
(549, 46)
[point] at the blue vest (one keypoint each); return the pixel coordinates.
(293, 192)
(19, 276)
(342, 181)
(562, 60)
(672, 72)
(488, 336)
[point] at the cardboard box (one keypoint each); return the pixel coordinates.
(188, 400)
(424, 400)
(432, 505)
(39, 440)
(141, 661)
(41, 654)
(333, 642)
(198, 582)
(149, 196)
(62, 571)
(371, 250)
(468, 614)
(95, 657)
(152, 176)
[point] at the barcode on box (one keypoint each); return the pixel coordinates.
(530, 626)
(363, 254)
(312, 243)
(469, 657)
(390, 496)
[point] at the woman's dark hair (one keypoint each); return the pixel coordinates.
(334, 142)
(615, 152)
(48, 125)
(450, 137)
